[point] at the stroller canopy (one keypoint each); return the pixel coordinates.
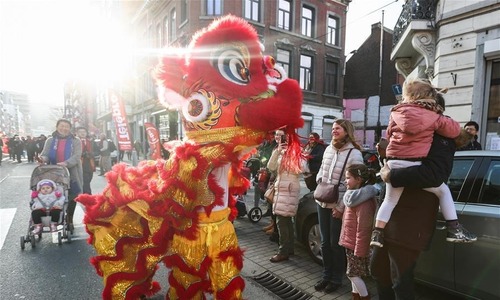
(56, 173)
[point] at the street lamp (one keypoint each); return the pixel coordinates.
(378, 133)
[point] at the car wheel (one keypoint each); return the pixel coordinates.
(312, 240)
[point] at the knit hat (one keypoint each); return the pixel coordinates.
(45, 182)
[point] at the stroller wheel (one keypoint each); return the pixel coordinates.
(59, 238)
(22, 242)
(32, 241)
(255, 214)
(68, 238)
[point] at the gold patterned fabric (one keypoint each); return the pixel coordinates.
(152, 213)
(216, 235)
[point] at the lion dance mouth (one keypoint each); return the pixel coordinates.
(178, 211)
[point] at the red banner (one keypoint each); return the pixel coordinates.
(153, 140)
(120, 120)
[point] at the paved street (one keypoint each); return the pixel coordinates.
(298, 275)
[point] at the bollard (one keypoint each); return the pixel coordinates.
(134, 158)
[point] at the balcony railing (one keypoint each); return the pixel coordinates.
(413, 10)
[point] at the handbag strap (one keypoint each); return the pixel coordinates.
(332, 166)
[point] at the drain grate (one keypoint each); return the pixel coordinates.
(279, 287)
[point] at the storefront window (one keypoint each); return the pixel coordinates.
(493, 118)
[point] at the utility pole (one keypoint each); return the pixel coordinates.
(378, 133)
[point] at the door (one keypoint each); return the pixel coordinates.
(477, 265)
(436, 266)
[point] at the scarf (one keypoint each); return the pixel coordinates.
(339, 144)
(68, 147)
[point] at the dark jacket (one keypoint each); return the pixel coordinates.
(413, 220)
(473, 145)
(316, 157)
(435, 169)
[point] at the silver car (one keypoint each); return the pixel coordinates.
(470, 270)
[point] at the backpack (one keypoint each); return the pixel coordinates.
(111, 146)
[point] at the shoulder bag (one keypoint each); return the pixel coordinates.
(269, 194)
(328, 192)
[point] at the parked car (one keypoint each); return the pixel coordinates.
(370, 157)
(469, 270)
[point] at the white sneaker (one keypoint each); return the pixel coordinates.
(38, 228)
(53, 227)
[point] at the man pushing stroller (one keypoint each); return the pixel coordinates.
(46, 201)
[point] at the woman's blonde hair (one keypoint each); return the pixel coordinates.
(349, 129)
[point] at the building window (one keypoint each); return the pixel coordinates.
(284, 14)
(307, 128)
(173, 26)
(332, 78)
(307, 28)
(183, 10)
(306, 72)
(214, 7)
(327, 129)
(159, 38)
(283, 59)
(252, 10)
(332, 31)
(493, 112)
(165, 31)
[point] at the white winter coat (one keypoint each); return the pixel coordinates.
(338, 158)
(286, 185)
(47, 202)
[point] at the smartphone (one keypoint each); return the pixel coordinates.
(283, 139)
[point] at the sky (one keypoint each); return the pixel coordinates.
(362, 14)
(44, 42)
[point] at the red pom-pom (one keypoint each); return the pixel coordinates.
(58, 194)
(34, 194)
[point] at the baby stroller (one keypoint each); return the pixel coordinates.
(59, 175)
(255, 213)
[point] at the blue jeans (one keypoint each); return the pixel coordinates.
(334, 260)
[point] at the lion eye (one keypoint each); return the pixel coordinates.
(231, 65)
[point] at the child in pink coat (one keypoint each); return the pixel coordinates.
(357, 222)
(411, 128)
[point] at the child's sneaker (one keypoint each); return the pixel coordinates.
(377, 238)
(460, 235)
(53, 227)
(38, 228)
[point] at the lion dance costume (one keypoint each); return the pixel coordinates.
(179, 211)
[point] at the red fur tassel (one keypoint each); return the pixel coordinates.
(236, 254)
(233, 289)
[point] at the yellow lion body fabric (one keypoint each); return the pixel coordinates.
(179, 211)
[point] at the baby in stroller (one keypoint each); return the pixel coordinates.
(47, 200)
